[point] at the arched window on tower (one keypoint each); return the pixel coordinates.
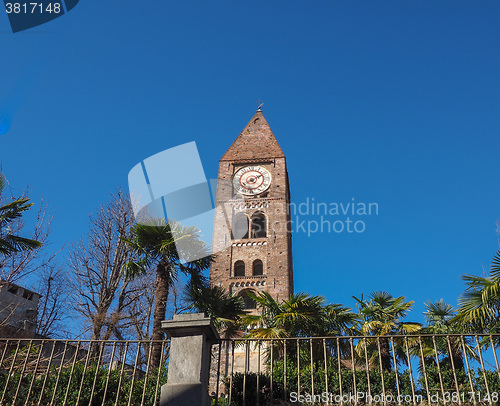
(259, 226)
(240, 226)
(258, 267)
(249, 303)
(239, 268)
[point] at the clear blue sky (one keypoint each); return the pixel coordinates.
(393, 102)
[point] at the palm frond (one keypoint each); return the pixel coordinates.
(495, 267)
(479, 305)
(268, 332)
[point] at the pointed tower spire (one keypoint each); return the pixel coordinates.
(255, 141)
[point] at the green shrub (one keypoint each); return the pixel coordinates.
(107, 387)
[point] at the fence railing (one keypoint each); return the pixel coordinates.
(384, 370)
(77, 372)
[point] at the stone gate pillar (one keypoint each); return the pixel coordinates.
(191, 338)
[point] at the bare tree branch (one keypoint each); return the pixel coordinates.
(52, 306)
(100, 292)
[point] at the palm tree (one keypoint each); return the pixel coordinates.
(300, 315)
(479, 305)
(155, 245)
(382, 315)
(294, 317)
(338, 320)
(224, 308)
(10, 243)
(440, 319)
(439, 316)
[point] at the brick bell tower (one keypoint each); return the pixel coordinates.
(252, 237)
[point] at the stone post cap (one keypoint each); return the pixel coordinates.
(189, 324)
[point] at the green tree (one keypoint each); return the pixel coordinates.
(10, 212)
(440, 319)
(300, 315)
(155, 245)
(479, 305)
(224, 308)
(382, 315)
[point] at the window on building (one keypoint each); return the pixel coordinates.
(258, 267)
(259, 227)
(249, 303)
(28, 295)
(12, 289)
(239, 268)
(240, 227)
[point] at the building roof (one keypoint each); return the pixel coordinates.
(3, 282)
(255, 141)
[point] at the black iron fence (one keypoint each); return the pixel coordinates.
(77, 372)
(382, 370)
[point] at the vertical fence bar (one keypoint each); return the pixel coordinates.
(355, 388)
(340, 373)
(134, 374)
(146, 377)
(438, 367)
(10, 371)
(34, 372)
(298, 366)
(6, 345)
(326, 366)
(381, 367)
(46, 372)
(284, 377)
(468, 369)
(59, 373)
(482, 368)
(495, 356)
(218, 375)
(272, 370)
(453, 368)
(232, 372)
(395, 368)
(422, 359)
(312, 366)
(4, 351)
(245, 373)
(367, 365)
(102, 346)
(411, 372)
(121, 372)
(258, 373)
(77, 349)
(22, 372)
(160, 368)
(83, 374)
(109, 373)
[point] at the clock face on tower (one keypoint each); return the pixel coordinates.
(251, 180)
